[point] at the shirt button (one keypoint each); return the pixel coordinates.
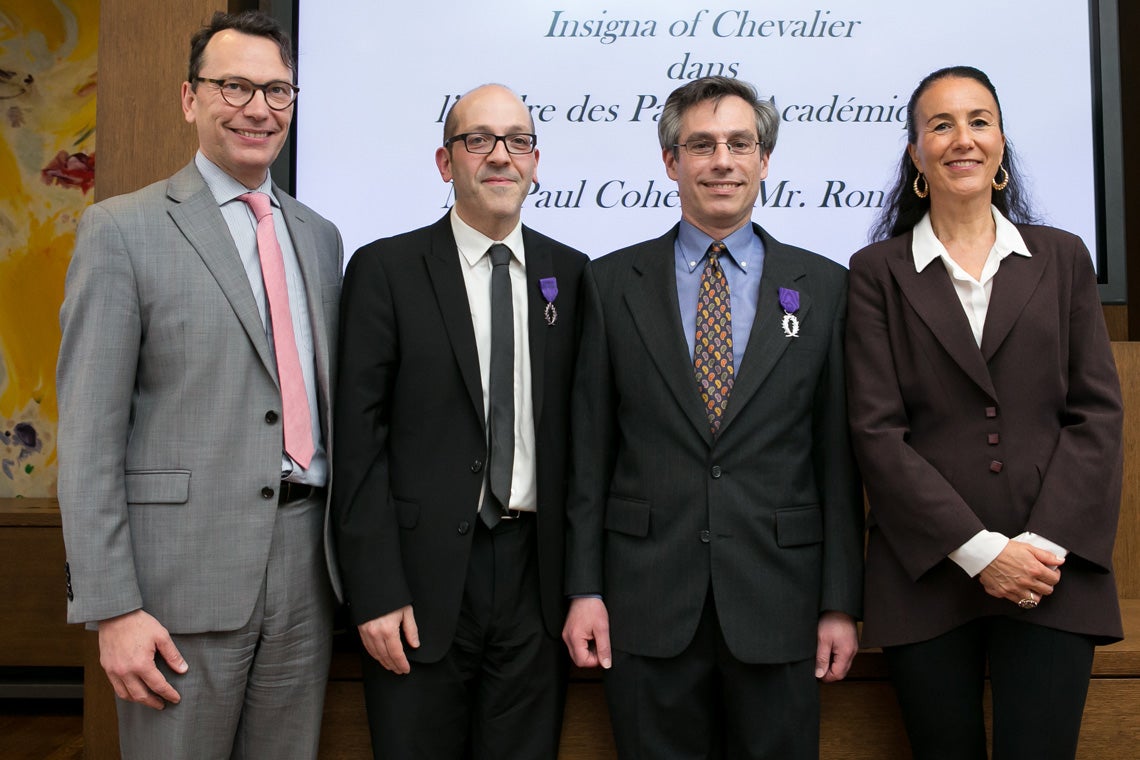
(271, 417)
(716, 471)
(995, 466)
(993, 439)
(267, 493)
(705, 536)
(991, 411)
(464, 526)
(477, 465)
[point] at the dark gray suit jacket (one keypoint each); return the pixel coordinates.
(769, 514)
(169, 460)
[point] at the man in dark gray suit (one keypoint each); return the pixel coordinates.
(195, 427)
(714, 534)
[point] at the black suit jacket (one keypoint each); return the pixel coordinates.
(769, 513)
(1023, 433)
(411, 452)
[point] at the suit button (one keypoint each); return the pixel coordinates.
(993, 439)
(70, 593)
(477, 466)
(271, 417)
(67, 571)
(705, 536)
(464, 527)
(716, 471)
(267, 493)
(991, 411)
(995, 466)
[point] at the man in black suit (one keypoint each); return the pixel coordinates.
(714, 532)
(459, 347)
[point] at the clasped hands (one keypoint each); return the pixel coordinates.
(1022, 572)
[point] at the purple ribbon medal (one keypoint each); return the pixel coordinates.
(790, 301)
(549, 287)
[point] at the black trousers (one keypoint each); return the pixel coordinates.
(1039, 678)
(705, 703)
(499, 692)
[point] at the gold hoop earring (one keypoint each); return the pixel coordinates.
(925, 191)
(999, 186)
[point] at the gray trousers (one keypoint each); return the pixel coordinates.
(259, 691)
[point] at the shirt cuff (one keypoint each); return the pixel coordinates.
(1042, 543)
(974, 555)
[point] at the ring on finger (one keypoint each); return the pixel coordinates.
(1029, 602)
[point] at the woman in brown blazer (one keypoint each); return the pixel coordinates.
(986, 416)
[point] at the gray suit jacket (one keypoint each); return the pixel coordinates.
(169, 459)
(769, 514)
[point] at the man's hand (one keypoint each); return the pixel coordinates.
(837, 641)
(127, 647)
(381, 638)
(1021, 569)
(587, 633)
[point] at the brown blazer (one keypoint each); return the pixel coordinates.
(1022, 434)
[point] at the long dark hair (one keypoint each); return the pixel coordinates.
(902, 209)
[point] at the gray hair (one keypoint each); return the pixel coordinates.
(715, 89)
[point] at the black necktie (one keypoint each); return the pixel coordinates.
(501, 420)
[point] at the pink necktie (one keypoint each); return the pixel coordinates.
(294, 399)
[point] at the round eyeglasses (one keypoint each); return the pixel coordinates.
(485, 142)
(238, 91)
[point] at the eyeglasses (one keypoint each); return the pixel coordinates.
(741, 146)
(238, 91)
(484, 142)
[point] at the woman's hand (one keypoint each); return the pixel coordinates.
(1022, 572)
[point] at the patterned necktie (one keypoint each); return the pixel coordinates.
(502, 391)
(712, 354)
(298, 423)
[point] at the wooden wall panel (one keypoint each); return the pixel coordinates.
(143, 55)
(1126, 557)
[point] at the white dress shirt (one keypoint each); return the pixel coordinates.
(476, 266)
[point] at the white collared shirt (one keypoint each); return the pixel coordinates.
(974, 294)
(476, 267)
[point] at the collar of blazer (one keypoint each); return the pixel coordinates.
(658, 321)
(931, 294)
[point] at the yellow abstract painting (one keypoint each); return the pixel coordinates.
(47, 172)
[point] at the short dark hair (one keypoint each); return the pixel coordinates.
(902, 209)
(254, 23)
(716, 89)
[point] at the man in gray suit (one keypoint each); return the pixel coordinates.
(195, 426)
(714, 523)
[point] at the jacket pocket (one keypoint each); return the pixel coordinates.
(157, 486)
(799, 526)
(629, 516)
(407, 513)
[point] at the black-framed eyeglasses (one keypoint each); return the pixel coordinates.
(238, 91)
(740, 146)
(485, 142)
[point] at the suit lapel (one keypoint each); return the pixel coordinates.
(1016, 280)
(538, 266)
(931, 294)
(652, 301)
(767, 343)
(451, 296)
(196, 213)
